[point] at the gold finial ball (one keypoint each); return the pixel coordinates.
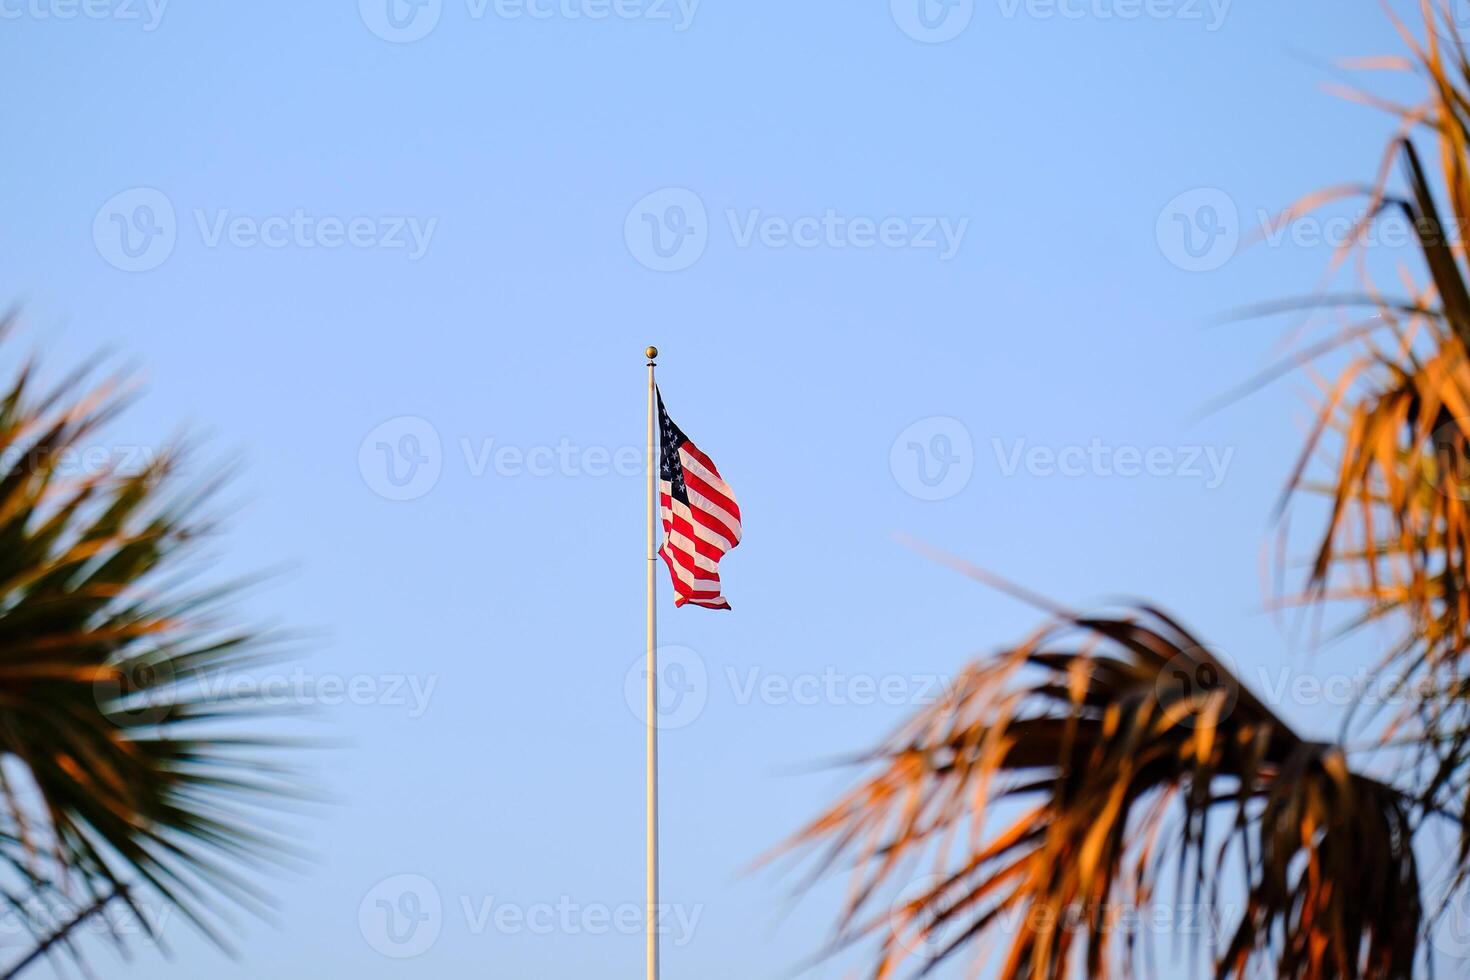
(652, 352)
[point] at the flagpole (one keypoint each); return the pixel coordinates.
(651, 712)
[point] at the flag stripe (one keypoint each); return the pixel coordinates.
(706, 557)
(715, 540)
(686, 566)
(697, 466)
(693, 589)
(711, 531)
(713, 505)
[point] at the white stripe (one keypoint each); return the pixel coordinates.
(709, 507)
(706, 534)
(693, 465)
(697, 499)
(685, 545)
(709, 536)
(691, 584)
(712, 579)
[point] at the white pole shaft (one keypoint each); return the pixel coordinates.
(652, 703)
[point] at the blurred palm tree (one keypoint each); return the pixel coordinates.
(125, 781)
(1112, 764)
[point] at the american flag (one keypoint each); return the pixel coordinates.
(700, 515)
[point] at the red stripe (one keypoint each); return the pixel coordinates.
(686, 562)
(716, 604)
(675, 556)
(714, 496)
(677, 522)
(701, 596)
(698, 454)
(726, 494)
(707, 520)
(697, 595)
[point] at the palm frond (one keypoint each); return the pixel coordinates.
(1393, 426)
(119, 773)
(1062, 784)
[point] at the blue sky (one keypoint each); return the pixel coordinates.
(997, 234)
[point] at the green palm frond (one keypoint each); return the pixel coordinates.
(121, 773)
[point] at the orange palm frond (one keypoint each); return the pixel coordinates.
(1078, 768)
